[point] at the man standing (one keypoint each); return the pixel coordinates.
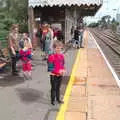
(13, 41)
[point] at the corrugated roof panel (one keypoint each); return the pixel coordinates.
(51, 3)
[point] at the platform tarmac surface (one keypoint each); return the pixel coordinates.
(95, 94)
(30, 100)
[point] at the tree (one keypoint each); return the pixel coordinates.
(105, 21)
(94, 24)
(114, 24)
(11, 12)
(14, 11)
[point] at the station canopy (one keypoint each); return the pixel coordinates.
(51, 3)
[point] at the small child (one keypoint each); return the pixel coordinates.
(26, 57)
(57, 70)
(29, 43)
(2, 65)
(2, 61)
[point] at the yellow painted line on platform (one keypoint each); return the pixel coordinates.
(63, 108)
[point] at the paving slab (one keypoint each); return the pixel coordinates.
(103, 91)
(95, 94)
(75, 116)
(77, 104)
(104, 107)
(78, 90)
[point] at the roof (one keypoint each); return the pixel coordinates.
(51, 3)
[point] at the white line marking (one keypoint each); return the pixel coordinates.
(107, 62)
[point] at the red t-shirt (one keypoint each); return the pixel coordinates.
(58, 62)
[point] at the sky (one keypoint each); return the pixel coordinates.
(109, 7)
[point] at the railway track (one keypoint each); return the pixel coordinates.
(110, 45)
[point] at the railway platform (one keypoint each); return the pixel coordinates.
(22, 99)
(93, 92)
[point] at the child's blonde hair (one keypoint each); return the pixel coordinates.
(57, 43)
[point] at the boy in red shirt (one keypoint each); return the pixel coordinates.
(56, 68)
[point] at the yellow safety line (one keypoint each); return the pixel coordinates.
(63, 108)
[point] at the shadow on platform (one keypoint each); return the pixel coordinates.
(30, 95)
(64, 84)
(10, 80)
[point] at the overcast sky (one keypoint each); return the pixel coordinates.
(109, 7)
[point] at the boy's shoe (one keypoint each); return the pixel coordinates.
(44, 58)
(15, 73)
(53, 103)
(60, 101)
(81, 46)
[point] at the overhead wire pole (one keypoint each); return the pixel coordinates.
(107, 4)
(106, 1)
(114, 13)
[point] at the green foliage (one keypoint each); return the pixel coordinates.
(106, 23)
(114, 25)
(15, 9)
(23, 28)
(8, 22)
(93, 25)
(5, 24)
(12, 12)
(2, 26)
(4, 33)
(2, 15)
(3, 38)
(106, 18)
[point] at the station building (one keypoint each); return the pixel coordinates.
(66, 13)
